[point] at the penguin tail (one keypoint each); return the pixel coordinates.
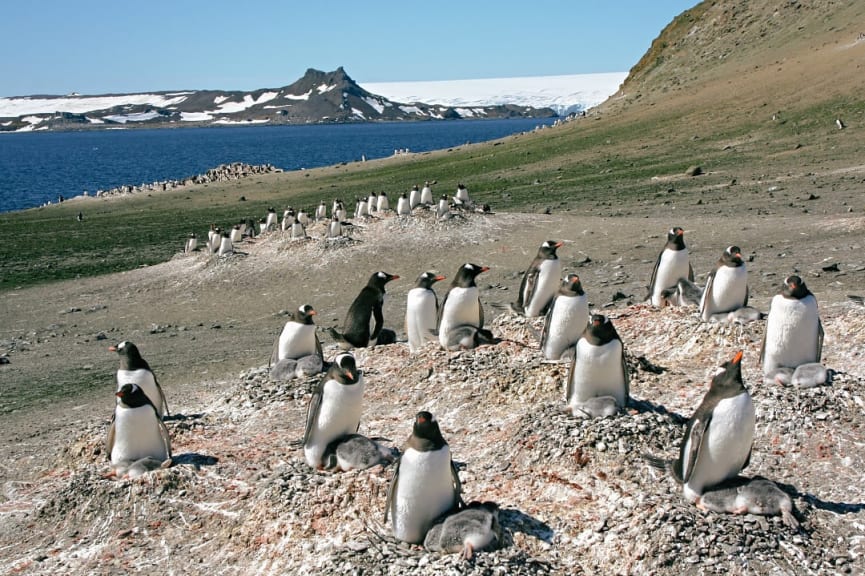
(516, 308)
(656, 462)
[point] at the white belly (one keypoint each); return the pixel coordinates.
(414, 198)
(296, 341)
(136, 435)
(728, 291)
(297, 231)
(566, 323)
(270, 223)
(225, 246)
(339, 414)
(673, 265)
(334, 230)
(598, 372)
(145, 381)
(549, 278)
(424, 492)
(191, 245)
(426, 195)
(382, 203)
(420, 317)
(726, 445)
(236, 235)
(402, 207)
(462, 307)
(791, 333)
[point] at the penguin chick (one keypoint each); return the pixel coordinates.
(750, 496)
(468, 337)
(356, 452)
(474, 528)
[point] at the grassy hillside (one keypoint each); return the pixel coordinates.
(748, 90)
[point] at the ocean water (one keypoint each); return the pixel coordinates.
(37, 167)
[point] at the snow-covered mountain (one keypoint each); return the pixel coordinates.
(564, 94)
(315, 98)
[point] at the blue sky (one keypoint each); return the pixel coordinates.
(120, 46)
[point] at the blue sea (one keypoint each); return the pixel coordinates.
(37, 167)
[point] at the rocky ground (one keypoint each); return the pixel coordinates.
(575, 495)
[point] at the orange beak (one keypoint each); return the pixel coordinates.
(738, 357)
(439, 277)
(112, 348)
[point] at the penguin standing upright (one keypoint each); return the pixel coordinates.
(136, 433)
(727, 285)
(288, 218)
(382, 203)
(270, 220)
(425, 483)
(303, 217)
(334, 229)
(334, 409)
(297, 338)
(426, 196)
(540, 281)
(421, 310)
(372, 202)
(672, 263)
(361, 209)
(566, 318)
(134, 369)
(340, 211)
(191, 243)
(462, 303)
(443, 209)
(718, 437)
(298, 232)
(403, 206)
(368, 304)
(225, 245)
(598, 369)
(462, 195)
(214, 239)
(236, 234)
(321, 211)
(794, 333)
(414, 197)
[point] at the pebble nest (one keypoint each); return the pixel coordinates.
(575, 495)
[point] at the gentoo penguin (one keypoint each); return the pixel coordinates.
(361, 208)
(403, 207)
(225, 245)
(414, 197)
(236, 234)
(421, 310)
(270, 221)
(372, 202)
(134, 369)
(334, 409)
(334, 229)
(426, 196)
(750, 496)
(727, 285)
(462, 303)
(443, 208)
(191, 243)
(672, 264)
(288, 218)
(540, 281)
(214, 239)
(462, 196)
(368, 304)
(303, 217)
(340, 211)
(357, 452)
(598, 368)
(794, 333)
(136, 433)
(425, 483)
(321, 211)
(250, 228)
(567, 317)
(297, 338)
(718, 437)
(298, 232)
(473, 528)
(382, 203)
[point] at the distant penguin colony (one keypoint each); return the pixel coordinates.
(424, 504)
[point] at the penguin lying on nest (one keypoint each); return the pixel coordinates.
(473, 528)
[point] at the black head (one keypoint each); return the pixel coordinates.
(600, 330)
(467, 273)
(572, 283)
(548, 249)
(304, 314)
(379, 279)
(271, 209)
(344, 370)
(126, 349)
(676, 239)
(383, 193)
(732, 256)
(414, 188)
(729, 377)
(427, 279)
(426, 430)
(403, 195)
(794, 287)
(372, 194)
(132, 396)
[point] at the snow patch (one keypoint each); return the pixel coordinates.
(12, 107)
(139, 117)
(374, 104)
(95, 120)
(195, 116)
(298, 97)
(358, 113)
(33, 119)
(244, 122)
(247, 102)
(325, 88)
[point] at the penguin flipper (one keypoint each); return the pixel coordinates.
(651, 286)
(693, 444)
(747, 294)
(545, 331)
(707, 294)
(526, 285)
(819, 339)
(480, 314)
(166, 438)
(690, 272)
(763, 343)
(312, 411)
(570, 390)
(161, 397)
(109, 441)
(441, 309)
(391, 491)
(274, 354)
(379, 321)
(627, 378)
(318, 351)
(458, 488)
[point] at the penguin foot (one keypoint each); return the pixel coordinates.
(468, 551)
